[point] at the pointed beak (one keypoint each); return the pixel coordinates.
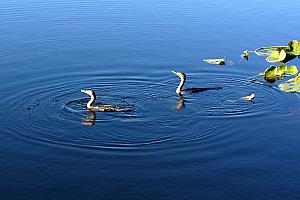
(174, 72)
(83, 91)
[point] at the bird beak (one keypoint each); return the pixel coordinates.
(174, 72)
(83, 91)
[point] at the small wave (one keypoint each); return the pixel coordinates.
(56, 110)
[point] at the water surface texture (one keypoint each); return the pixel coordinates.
(208, 145)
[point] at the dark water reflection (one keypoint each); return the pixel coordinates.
(208, 145)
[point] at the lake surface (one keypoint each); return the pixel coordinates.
(199, 147)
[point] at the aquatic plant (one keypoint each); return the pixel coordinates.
(294, 48)
(218, 61)
(245, 55)
(274, 73)
(249, 97)
(276, 56)
(281, 54)
(291, 85)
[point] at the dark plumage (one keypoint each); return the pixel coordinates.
(103, 107)
(181, 91)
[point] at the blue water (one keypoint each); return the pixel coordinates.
(202, 147)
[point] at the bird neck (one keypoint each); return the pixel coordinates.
(90, 103)
(180, 86)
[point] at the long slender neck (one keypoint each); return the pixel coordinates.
(90, 103)
(180, 86)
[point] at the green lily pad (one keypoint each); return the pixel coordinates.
(270, 74)
(273, 53)
(249, 97)
(267, 51)
(294, 80)
(289, 87)
(246, 54)
(291, 70)
(281, 70)
(297, 79)
(294, 47)
(274, 73)
(219, 61)
(276, 56)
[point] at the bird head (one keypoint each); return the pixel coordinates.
(89, 92)
(180, 74)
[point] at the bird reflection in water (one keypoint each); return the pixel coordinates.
(181, 103)
(90, 119)
(180, 91)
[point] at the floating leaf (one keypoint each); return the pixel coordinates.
(273, 73)
(246, 54)
(220, 61)
(297, 79)
(249, 98)
(281, 70)
(276, 56)
(275, 50)
(294, 80)
(269, 74)
(289, 87)
(291, 70)
(294, 47)
(267, 51)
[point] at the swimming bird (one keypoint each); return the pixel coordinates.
(180, 91)
(102, 107)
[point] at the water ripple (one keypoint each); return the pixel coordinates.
(159, 116)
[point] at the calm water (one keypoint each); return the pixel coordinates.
(211, 148)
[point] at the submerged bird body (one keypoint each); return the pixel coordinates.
(195, 90)
(181, 91)
(102, 107)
